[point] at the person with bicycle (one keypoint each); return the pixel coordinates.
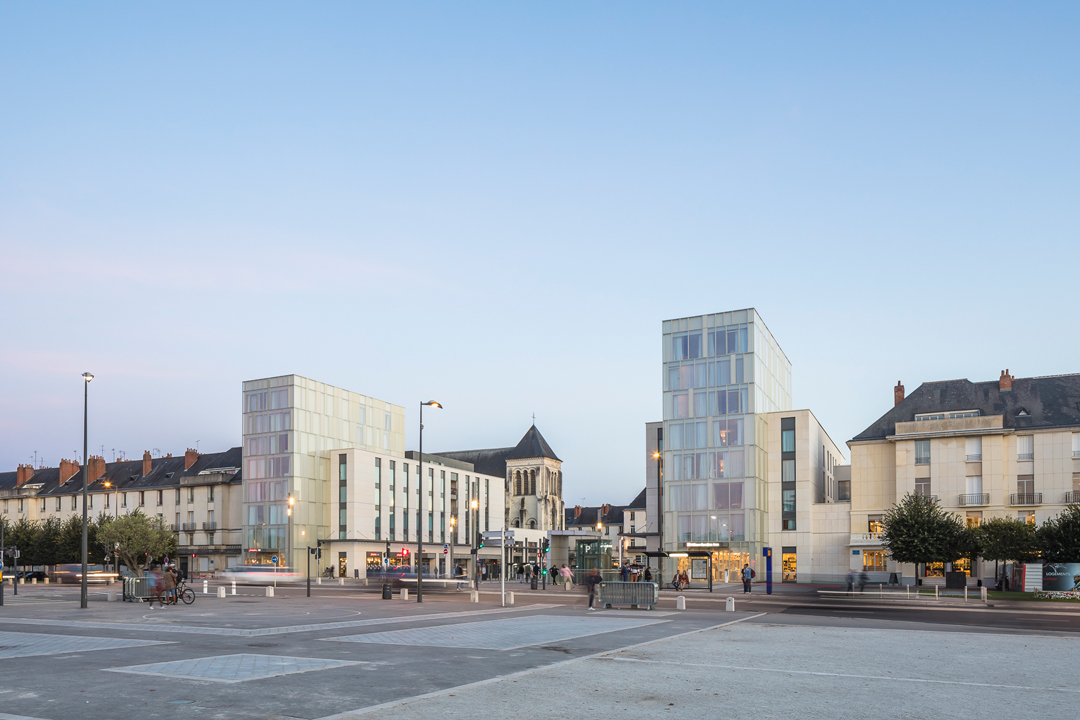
(168, 581)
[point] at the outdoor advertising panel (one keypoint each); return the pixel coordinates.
(1061, 576)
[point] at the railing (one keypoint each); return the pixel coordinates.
(1025, 456)
(866, 538)
(1076, 454)
(1025, 499)
(929, 497)
(975, 458)
(189, 527)
(971, 499)
(211, 526)
(634, 594)
(922, 459)
(1071, 497)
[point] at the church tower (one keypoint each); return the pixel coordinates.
(534, 484)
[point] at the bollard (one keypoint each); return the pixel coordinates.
(365, 582)
(112, 596)
(341, 581)
(474, 597)
(983, 593)
(233, 587)
(680, 603)
(269, 591)
(318, 581)
(46, 581)
(730, 604)
(880, 592)
(907, 591)
(221, 592)
(965, 593)
(935, 592)
(566, 586)
(205, 587)
(404, 593)
(33, 581)
(509, 598)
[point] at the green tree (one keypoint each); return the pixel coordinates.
(1007, 539)
(140, 539)
(46, 542)
(69, 541)
(917, 530)
(1059, 537)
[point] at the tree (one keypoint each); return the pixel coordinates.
(1059, 537)
(917, 530)
(139, 539)
(1007, 539)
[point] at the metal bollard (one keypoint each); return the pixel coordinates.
(965, 593)
(880, 592)
(509, 598)
(221, 592)
(233, 587)
(983, 593)
(318, 581)
(404, 593)
(935, 592)
(341, 581)
(269, 591)
(205, 587)
(474, 597)
(112, 596)
(730, 604)
(680, 603)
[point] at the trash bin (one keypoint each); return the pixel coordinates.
(387, 592)
(532, 585)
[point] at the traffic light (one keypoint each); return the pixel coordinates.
(479, 539)
(387, 548)
(318, 552)
(405, 552)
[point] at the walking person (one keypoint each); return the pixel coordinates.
(747, 576)
(624, 573)
(154, 588)
(568, 577)
(863, 579)
(591, 581)
(521, 573)
(648, 574)
(850, 579)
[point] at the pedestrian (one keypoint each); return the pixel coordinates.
(592, 580)
(154, 588)
(648, 574)
(568, 577)
(863, 579)
(624, 573)
(168, 584)
(521, 573)
(747, 576)
(850, 579)
(553, 575)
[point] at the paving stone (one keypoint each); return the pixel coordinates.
(234, 668)
(18, 644)
(504, 634)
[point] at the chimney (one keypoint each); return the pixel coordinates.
(190, 456)
(898, 394)
(96, 467)
(1005, 381)
(68, 470)
(23, 474)
(146, 463)
(577, 511)
(605, 509)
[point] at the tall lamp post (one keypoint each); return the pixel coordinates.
(86, 481)
(288, 530)
(474, 507)
(116, 516)
(453, 537)
(420, 529)
(659, 510)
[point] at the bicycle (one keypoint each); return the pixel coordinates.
(183, 592)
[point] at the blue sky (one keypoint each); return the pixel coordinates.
(496, 205)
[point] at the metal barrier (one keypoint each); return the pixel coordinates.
(137, 589)
(634, 594)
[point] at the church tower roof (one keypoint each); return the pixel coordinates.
(532, 445)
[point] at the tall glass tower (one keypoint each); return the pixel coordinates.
(721, 374)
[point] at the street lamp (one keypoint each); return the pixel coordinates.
(659, 509)
(87, 377)
(288, 529)
(474, 506)
(116, 515)
(420, 529)
(453, 537)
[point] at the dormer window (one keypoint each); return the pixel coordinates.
(1022, 412)
(929, 416)
(964, 414)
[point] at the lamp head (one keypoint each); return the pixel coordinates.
(474, 504)
(107, 484)
(656, 455)
(87, 377)
(291, 500)
(432, 403)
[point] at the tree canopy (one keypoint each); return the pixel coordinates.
(1059, 537)
(917, 530)
(1007, 539)
(139, 539)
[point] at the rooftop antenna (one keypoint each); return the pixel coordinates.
(157, 452)
(197, 446)
(534, 418)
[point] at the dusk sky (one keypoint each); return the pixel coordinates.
(497, 205)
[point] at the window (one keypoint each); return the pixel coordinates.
(789, 563)
(57, 503)
(922, 452)
(964, 414)
(873, 561)
(787, 440)
(929, 416)
(843, 491)
(160, 497)
(142, 498)
(874, 524)
(974, 518)
(973, 486)
(922, 486)
(1027, 516)
(177, 496)
(686, 347)
(1025, 447)
(680, 405)
(123, 500)
(1025, 486)
(788, 499)
(973, 449)
(74, 502)
(701, 403)
(787, 471)
(191, 494)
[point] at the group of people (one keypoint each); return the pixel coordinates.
(862, 579)
(164, 583)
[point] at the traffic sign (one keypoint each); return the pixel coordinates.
(445, 549)
(273, 559)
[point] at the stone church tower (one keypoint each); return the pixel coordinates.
(534, 485)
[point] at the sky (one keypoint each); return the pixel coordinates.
(496, 205)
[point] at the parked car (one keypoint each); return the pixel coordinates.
(262, 574)
(29, 575)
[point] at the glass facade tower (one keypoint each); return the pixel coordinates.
(721, 374)
(290, 426)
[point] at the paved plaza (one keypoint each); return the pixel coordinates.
(347, 653)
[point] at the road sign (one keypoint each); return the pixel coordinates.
(273, 559)
(445, 549)
(496, 534)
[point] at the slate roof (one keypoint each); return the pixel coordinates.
(590, 515)
(127, 475)
(493, 461)
(1052, 401)
(637, 503)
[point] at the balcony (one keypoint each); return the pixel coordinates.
(866, 538)
(189, 527)
(974, 499)
(1073, 496)
(1025, 499)
(975, 458)
(209, 526)
(1021, 457)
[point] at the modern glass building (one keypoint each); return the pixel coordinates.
(721, 374)
(291, 425)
